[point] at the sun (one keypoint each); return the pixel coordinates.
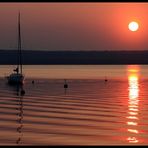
(133, 26)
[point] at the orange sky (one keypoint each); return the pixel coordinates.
(74, 26)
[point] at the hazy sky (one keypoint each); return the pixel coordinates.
(74, 26)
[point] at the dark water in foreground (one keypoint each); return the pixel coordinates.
(89, 112)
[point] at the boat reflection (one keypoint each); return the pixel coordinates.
(20, 93)
(133, 103)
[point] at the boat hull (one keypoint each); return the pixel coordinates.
(14, 79)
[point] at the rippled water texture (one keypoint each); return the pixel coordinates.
(88, 112)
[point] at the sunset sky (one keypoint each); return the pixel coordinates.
(74, 26)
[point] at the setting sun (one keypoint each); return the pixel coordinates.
(133, 26)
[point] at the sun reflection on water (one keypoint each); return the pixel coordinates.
(133, 103)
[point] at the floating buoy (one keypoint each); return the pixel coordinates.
(65, 85)
(22, 92)
(105, 80)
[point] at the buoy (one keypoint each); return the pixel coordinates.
(65, 85)
(22, 92)
(105, 80)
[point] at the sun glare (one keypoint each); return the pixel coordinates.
(133, 26)
(133, 103)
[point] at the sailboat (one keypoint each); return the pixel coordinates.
(17, 77)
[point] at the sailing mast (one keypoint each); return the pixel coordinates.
(19, 46)
(17, 78)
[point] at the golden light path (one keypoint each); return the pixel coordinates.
(133, 102)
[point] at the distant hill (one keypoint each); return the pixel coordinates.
(74, 57)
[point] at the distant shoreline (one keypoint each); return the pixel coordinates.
(30, 57)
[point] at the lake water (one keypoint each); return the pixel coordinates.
(91, 111)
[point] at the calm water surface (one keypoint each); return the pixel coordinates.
(89, 112)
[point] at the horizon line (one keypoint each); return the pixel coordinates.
(66, 50)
